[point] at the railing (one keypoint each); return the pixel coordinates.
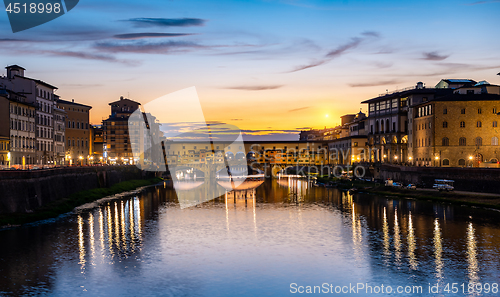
(397, 91)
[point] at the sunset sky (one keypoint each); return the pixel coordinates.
(277, 66)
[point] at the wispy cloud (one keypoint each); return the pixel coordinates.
(163, 22)
(255, 88)
(149, 35)
(339, 51)
(374, 84)
(434, 56)
(484, 2)
(145, 47)
(297, 109)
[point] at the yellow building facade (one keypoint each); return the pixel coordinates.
(460, 130)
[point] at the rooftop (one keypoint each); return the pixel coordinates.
(72, 103)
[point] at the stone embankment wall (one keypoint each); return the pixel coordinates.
(466, 179)
(25, 191)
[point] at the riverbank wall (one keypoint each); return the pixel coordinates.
(486, 180)
(26, 191)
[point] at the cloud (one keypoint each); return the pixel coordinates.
(434, 56)
(297, 109)
(255, 88)
(339, 51)
(371, 34)
(145, 47)
(374, 84)
(86, 56)
(484, 2)
(149, 35)
(162, 22)
(13, 40)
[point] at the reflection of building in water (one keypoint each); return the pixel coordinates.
(438, 250)
(472, 264)
(297, 188)
(114, 230)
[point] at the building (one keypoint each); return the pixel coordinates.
(459, 129)
(41, 94)
(117, 147)
(451, 124)
(4, 129)
(97, 143)
(18, 130)
(390, 121)
(77, 131)
(312, 135)
(59, 135)
(351, 144)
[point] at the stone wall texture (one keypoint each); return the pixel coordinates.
(25, 191)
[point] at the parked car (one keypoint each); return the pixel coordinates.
(397, 185)
(411, 187)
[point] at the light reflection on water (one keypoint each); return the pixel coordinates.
(250, 243)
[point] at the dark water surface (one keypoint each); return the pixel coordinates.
(285, 232)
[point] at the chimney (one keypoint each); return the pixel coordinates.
(121, 97)
(73, 100)
(420, 85)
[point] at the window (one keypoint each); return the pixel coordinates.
(461, 162)
(479, 141)
(494, 140)
(462, 111)
(479, 111)
(462, 124)
(494, 110)
(445, 111)
(446, 141)
(494, 123)
(446, 162)
(478, 124)
(462, 141)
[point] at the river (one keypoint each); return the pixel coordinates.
(284, 238)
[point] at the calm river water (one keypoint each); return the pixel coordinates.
(285, 236)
